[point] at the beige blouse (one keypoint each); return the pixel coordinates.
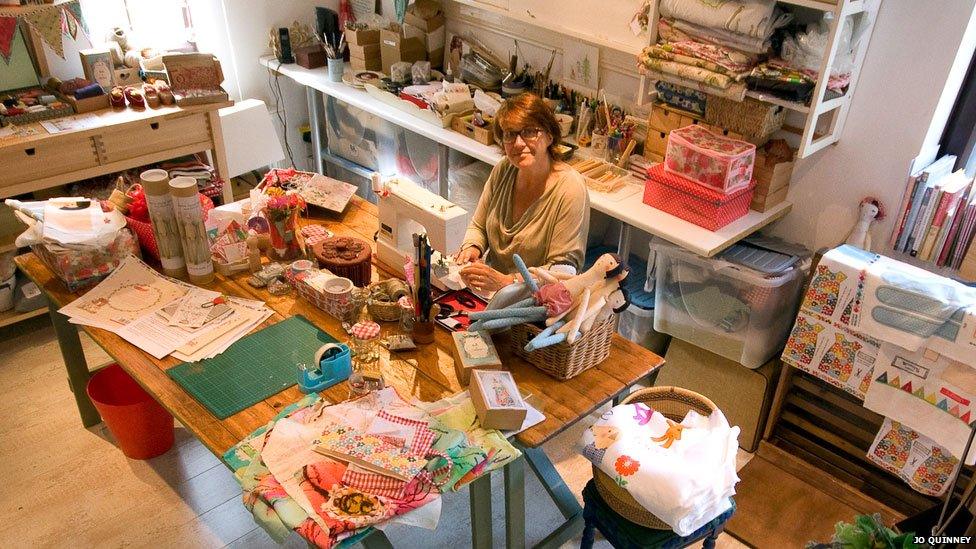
(552, 230)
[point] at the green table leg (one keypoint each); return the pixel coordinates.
(480, 491)
(377, 540)
(75, 364)
(515, 504)
(561, 495)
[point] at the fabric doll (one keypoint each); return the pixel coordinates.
(551, 299)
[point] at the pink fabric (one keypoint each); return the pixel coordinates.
(555, 297)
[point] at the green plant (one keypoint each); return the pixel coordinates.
(867, 532)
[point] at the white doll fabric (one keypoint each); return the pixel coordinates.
(686, 484)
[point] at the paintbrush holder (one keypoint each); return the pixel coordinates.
(336, 66)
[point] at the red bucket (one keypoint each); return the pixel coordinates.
(142, 427)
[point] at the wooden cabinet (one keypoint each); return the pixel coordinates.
(37, 160)
(145, 137)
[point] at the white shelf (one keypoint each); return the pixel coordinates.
(319, 79)
(766, 98)
(630, 209)
(812, 4)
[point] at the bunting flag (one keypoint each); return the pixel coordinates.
(70, 25)
(74, 8)
(8, 27)
(47, 23)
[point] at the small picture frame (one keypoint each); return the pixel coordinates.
(97, 66)
(497, 400)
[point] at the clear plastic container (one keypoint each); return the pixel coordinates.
(637, 325)
(730, 310)
(712, 160)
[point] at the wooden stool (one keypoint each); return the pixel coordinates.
(623, 534)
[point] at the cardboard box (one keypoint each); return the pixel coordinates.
(97, 66)
(366, 53)
(435, 35)
(473, 351)
(396, 47)
(126, 77)
(497, 400)
(362, 37)
(88, 104)
(764, 201)
(195, 78)
(358, 64)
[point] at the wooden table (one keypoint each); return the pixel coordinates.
(430, 376)
(121, 139)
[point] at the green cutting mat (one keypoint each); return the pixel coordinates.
(252, 369)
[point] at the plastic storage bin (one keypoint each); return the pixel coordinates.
(715, 161)
(637, 325)
(733, 311)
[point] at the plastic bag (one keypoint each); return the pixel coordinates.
(805, 50)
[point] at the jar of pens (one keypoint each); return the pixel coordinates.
(335, 51)
(419, 280)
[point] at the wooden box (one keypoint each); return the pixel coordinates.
(473, 351)
(126, 76)
(657, 142)
(663, 120)
(362, 37)
(88, 104)
(464, 126)
(311, 57)
(497, 400)
(195, 78)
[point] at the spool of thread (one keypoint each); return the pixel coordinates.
(91, 90)
(155, 183)
(47, 99)
(193, 233)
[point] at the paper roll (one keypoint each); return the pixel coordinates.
(193, 233)
(155, 183)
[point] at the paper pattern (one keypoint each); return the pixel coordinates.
(913, 457)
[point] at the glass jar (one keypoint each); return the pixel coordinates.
(406, 315)
(356, 310)
(366, 375)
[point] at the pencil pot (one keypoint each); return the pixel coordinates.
(142, 427)
(336, 67)
(564, 360)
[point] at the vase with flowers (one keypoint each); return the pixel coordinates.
(282, 211)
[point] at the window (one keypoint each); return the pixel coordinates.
(160, 24)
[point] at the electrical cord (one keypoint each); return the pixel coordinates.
(279, 98)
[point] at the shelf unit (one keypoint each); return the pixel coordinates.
(13, 317)
(814, 136)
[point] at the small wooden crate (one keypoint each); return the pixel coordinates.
(497, 400)
(563, 361)
(464, 126)
(89, 104)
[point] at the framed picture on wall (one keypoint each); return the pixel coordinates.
(97, 66)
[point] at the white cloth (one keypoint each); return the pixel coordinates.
(927, 392)
(682, 473)
(755, 18)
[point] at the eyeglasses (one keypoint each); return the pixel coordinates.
(528, 134)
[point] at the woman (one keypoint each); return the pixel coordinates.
(533, 204)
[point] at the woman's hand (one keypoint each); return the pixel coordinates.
(481, 277)
(467, 255)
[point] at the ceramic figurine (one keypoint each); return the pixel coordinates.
(870, 210)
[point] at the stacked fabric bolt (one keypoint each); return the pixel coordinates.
(207, 181)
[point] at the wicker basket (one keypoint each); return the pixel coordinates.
(563, 361)
(750, 117)
(674, 403)
(382, 310)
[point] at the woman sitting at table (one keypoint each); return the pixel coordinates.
(533, 204)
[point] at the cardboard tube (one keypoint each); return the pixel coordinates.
(155, 183)
(193, 233)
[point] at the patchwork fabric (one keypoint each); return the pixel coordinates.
(913, 457)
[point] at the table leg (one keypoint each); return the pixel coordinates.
(480, 492)
(377, 540)
(218, 155)
(315, 126)
(561, 495)
(443, 170)
(75, 364)
(623, 241)
(515, 504)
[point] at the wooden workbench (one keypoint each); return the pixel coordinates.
(119, 140)
(428, 376)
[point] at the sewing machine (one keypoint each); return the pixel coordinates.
(406, 208)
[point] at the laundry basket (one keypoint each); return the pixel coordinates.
(674, 403)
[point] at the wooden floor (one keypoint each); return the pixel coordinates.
(62, 483)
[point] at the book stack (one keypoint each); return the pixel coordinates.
(937, 219)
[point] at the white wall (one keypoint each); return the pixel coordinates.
(905, 72)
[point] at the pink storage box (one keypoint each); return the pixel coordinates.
(712, 160)
(692, 202)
